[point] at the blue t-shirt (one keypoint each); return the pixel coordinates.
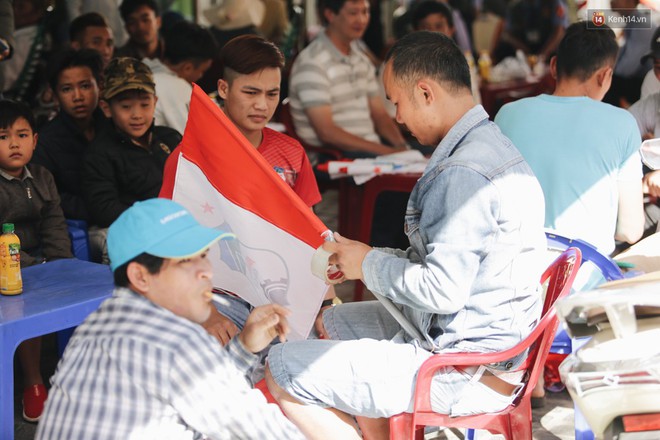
(579, 148)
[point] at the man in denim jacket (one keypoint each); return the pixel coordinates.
(468, 282)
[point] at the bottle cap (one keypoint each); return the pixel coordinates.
(7, 228)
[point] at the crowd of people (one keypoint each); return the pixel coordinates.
(89, 129)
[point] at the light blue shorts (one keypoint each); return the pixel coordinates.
(367, 369)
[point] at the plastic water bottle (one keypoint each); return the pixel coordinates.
(11, 282)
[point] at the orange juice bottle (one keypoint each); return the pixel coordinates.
(11, 282)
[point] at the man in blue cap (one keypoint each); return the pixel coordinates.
(142, 366)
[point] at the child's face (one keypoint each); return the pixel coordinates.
(132, 114)
(17, 144)
(77, 93)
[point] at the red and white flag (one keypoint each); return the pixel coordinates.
(226, 184)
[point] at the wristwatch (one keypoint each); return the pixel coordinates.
(331, 302)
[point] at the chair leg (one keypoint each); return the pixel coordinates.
(401, 428)
(520, 421)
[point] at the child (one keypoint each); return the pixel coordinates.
(75, 78)
(29, 199)
(124, 164)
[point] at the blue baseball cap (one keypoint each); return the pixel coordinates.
(160, 227)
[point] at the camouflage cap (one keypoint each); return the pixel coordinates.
(127, 73)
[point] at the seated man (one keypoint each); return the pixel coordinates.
(165, 376)
(250, 89)
(75, 78)
(469, 281)
(91, 31)
(590, 172)
(333, 90)
(534, 27)
(189, 49)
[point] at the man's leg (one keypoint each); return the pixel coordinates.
(320, 384)
(314, 421)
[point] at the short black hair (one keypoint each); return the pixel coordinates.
(583, 51)
(11, 111)
(69, 58)
(82, 22)
(432, 55)
(247, 54)
(152, 263)
(129, 6)
(334, 5)
(428, 7)
(189, 41)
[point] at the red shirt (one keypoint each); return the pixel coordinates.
(283, 153)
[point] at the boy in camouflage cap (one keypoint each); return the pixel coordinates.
(124, 164)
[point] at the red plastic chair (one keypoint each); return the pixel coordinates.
(515, 421)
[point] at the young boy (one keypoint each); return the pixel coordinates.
(91, 31)
(189, 49)
(250, 88)
(124, 164)
(141, 366)
(29, 200)
(74, 77)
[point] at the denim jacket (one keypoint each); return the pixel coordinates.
(470, 278)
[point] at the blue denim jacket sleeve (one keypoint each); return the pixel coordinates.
(456, 229)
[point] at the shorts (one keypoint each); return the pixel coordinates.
(367, 369)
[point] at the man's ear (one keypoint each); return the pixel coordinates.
(75, 45)
(553, 67)
(138, 277)
(105, 108)
(603, 75)
(328, 14)
(223, 88)
(425, 91)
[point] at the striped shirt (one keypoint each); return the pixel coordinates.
(134, 370)
(322, 75)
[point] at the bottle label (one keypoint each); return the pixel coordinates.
(15, 251)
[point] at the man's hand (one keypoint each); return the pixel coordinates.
(220, 327)
(262, 326)
(651, 183)
(347, 256)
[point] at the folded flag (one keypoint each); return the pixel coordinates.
(225, 183)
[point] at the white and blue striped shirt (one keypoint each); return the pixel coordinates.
(134, 370)
(321, 75)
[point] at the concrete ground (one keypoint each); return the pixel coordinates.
(552, 422)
